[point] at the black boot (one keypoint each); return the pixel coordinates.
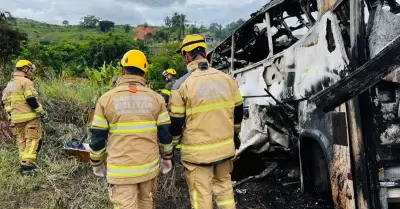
(28, 170)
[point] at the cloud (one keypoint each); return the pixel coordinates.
(133, 12)
(156, 3)
(226, 3)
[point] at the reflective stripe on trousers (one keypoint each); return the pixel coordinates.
(24, 116)
(206, 147)
(195, 199)
(133, 171)
(226, 203)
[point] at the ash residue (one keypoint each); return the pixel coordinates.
(391, 135)
(386, 27)
(270, 193)
(389, 112)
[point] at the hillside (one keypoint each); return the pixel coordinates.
(43, 32)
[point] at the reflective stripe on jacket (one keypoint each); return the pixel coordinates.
(14, 98)
(133, 116)
(206, 98)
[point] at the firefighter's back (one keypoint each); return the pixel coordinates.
(133, 151)
(16, 92)
(209, 108)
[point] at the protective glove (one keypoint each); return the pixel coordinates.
(99, 170)
(166, 166)
(237, 141)
(44, 117)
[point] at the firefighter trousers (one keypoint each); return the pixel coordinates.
(132, 196)
(28, 136)
(204, 181)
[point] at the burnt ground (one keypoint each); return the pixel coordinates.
(269, 193)
(280, 189)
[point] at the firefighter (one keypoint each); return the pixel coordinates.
(206, 112)
(25, 114)
(170, 80)
(132, 122)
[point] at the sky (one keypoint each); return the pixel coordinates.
(133, 12)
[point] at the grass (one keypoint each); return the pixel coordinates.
(62, 182)
(38, 31)
(75, 91)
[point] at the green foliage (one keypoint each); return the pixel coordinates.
(58, 56)
(108, 48)
(89, 21)
(78, 91)
(106, 25)
(127, 28)
(101, 78)
(10, 37)
(74, 57)
(165, 57)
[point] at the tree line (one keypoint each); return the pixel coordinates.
(66, 57)
(177, 26)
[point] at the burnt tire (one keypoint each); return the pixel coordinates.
(315, 170)
(320, 173)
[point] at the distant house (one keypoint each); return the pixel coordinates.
(142, 30)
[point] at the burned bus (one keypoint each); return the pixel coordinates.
(320, 77)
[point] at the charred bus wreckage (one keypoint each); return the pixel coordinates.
(320, 78)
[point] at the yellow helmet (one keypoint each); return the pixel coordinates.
(135, 58)
(25, 63)
(169, 71)
(192, 42)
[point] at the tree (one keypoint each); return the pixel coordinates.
(106, 25)
(168, 21)
(127, 28)
(65, 22)
(178, 22)
(11, 37)
(183, 22)
(89, 21)
(163, 59)
(108, 47)
(192, 29)
(162, 35)
(216, 29)
(7, 18)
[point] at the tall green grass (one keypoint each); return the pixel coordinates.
(79, 91)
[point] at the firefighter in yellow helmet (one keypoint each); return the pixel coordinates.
(132, 122)
(170, 80)
(206, 111)
(20, 102)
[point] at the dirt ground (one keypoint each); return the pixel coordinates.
(265, 193)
